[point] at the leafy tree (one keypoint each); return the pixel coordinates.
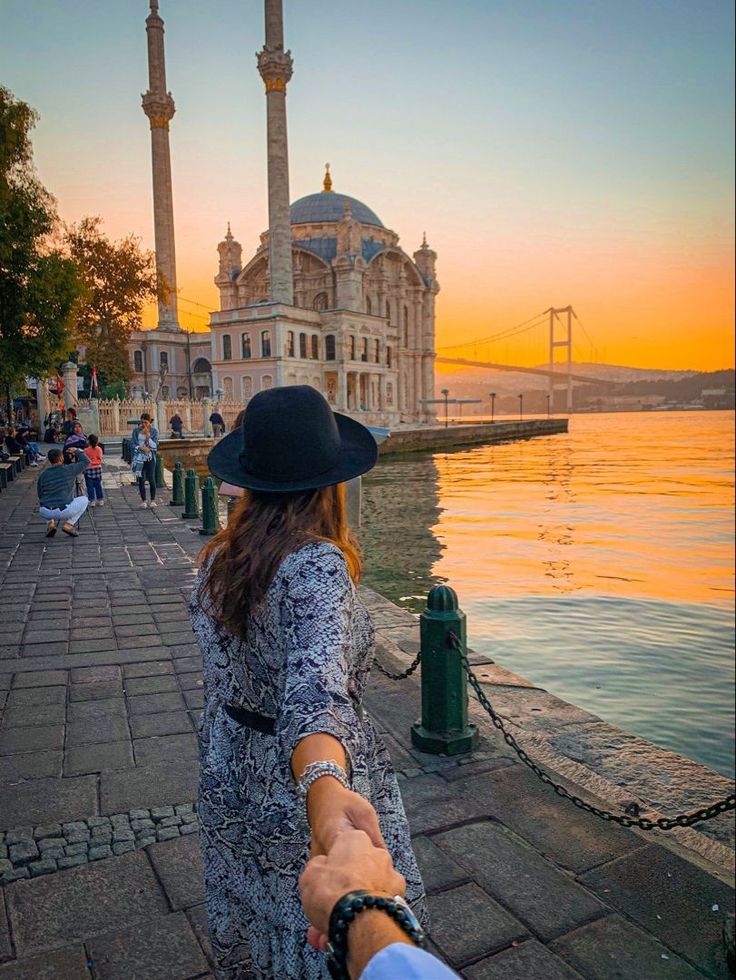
(39, 287)
(119, 279)
(115, 390)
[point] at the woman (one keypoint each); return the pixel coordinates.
(287, 648)
(144, 460)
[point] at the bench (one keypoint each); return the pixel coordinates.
(18, 463)
(6, 475)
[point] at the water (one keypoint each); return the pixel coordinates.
(598, 564)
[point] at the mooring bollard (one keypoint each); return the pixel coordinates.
(444, 728)
(177, 485)
(210, 516)
(160, 481)
(125, 450)
(191, 496)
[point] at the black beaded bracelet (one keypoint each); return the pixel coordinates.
(353, 904)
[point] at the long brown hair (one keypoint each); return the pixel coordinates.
(242, 559)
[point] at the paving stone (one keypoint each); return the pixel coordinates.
(146, 824)
(123, 834)
(99, 836)
(16, 875)
(161, 812)
(178, 864)
(123, 846)
(148, 786)
(145, 839)
(190, 663)
(48, 650)
(50, 843)
(99, 821)
(46, 636)
(182, 809)
(163, 949)
(18, 834)
(50, 830)
(95, 692)
(197, 916)
(23, 853)
(165, 723)
(158, 684)
(139, 814)
(154, 703)
(99, 852)
(670, 898)
(194, 699)
(95, 645)
(46, 866)
(466, 924)
(30, 765)
(98, 757)
(151, 751)
(536, 892)
(171, 822)
(97, 729)
(106, 708)
(77, 847)
(36, 696)
(153, 668)
(74, 827)
(72, 860)
(438, 870)
(6, 950)
(16, 740)
(48, 800)
(61, 964)
(25, 716)
(95, 675)
(191, 681)
(188, 828)
(529, 961)
(166, 833)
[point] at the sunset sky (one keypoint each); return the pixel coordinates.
(576, 151)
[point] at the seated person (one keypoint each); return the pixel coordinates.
(25, 435)
(56, 487)
(17, 446)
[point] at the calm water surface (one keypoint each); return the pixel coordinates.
(598, 564)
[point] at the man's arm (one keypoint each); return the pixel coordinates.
(82, 462)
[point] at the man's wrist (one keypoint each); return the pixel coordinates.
(371, 932)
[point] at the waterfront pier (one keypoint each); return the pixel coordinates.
(100, 688)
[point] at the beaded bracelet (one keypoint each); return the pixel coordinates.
(315, 770)
(351, 905)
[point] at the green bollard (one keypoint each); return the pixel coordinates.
(210, 517)
(191, 496)
(177, 487)
(160, 481)
(444, 728)
(125, 450)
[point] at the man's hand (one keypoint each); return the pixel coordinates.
(353, 863)
(332, 810)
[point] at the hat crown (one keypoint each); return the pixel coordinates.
(289, 434)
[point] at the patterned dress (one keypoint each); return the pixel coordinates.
(306, 664)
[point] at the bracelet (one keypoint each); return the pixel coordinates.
(353, 904)
(315, 770)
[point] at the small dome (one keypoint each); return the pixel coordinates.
(329, 206)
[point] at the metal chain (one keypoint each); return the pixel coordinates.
(404, 673)
(643, 823)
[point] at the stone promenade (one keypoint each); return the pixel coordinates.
(100, 689)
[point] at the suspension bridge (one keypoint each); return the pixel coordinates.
(549, 331)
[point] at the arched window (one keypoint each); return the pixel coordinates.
(406, 326)
(138, 361)
(377, 351)
(388, 311)
(265, 343)
(227, 387)
(364, 349)
(388, 357)
(227, 348)
(389, 394)
(368, 305)
(352, 348)
(163, 360)
(320, 301)
(315, 347)
(247, 387)
(245, 347)
(303, 345)
(330, 347)
(290, 343)
(266, 382)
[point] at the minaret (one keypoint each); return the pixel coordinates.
(158, 105)
(275, 66)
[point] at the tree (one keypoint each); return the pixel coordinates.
(119, 279)
(39, 286)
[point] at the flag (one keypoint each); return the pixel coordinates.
(94, 386)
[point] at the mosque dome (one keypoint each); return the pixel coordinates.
(329, 206)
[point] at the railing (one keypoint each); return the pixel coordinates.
(114, 413)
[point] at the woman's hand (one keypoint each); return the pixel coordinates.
(332, 809)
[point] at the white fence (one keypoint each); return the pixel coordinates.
(114, 413)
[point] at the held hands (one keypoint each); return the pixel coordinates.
(353, 863)
(333, 810)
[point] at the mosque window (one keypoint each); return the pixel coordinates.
(388, 357)
(388, 311)
(330, 347)
(377, 351)
(290, 343)
(227, 387)
(364, 349)
(315, 347)
(303, 345)
(320, 301)
(406, 326)
(368, 305)
(389, 394)
(138, 361)
(163, 360)
(227, 348)
(245, 346)
(266, 382)
(265, 343)
(247, 386)
(352, 348)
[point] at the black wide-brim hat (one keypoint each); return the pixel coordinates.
(290, 440)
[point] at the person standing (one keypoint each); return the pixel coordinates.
(93, 474)
(144, 462)
(218, 424)
(177, 426)
(289, 757)
(56, 487)
(68, 426)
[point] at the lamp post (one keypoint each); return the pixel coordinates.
(549, 406)
(493, 407)
(445, 392)
(521, 407)
(189, 365)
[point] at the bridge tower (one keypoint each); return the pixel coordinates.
(554, 321)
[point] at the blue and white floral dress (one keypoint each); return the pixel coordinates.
(305, 663)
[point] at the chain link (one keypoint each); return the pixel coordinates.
(643, 823)
(404, 673)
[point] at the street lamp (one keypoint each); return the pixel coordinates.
(445, 392)
(521, 407)
(493, 406)
(549, 406)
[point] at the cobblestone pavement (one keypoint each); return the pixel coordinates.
(100, 688)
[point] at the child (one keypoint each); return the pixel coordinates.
(93, 474)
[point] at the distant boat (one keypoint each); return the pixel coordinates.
(380, 435)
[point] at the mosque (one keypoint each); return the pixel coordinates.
(329, 298)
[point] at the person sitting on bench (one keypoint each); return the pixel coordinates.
(56, 486)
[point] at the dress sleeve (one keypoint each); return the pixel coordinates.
(316, 618)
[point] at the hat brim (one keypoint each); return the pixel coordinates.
(358, 454)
